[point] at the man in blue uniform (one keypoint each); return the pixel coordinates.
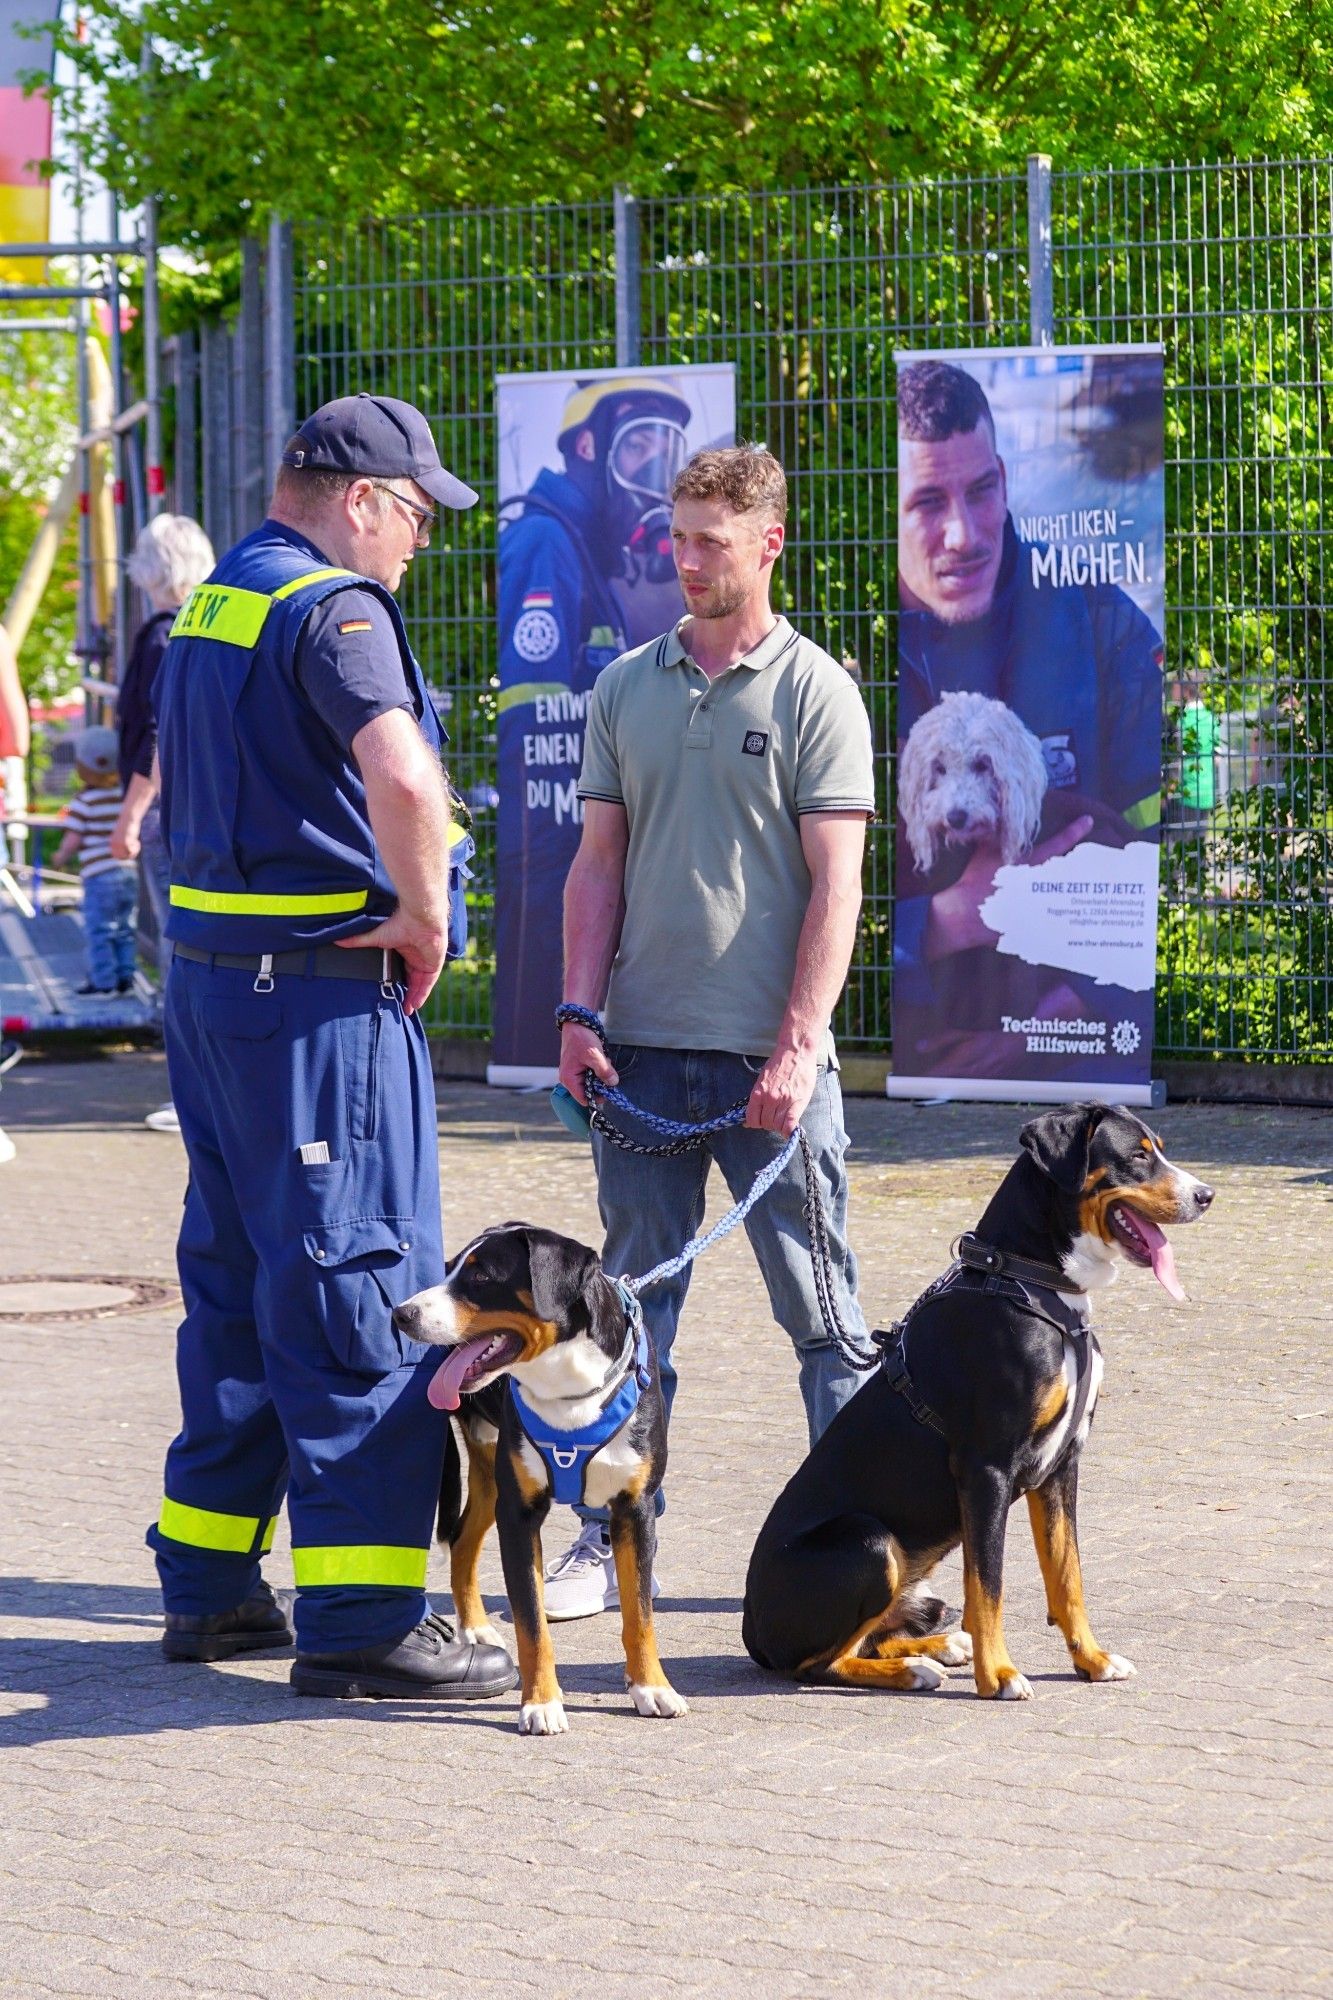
(1080, 664)
(307, 821)
(607, 514)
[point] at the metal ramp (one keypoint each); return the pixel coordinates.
(43, 963)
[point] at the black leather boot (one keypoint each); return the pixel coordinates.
(428, 1662)
(263, 1624)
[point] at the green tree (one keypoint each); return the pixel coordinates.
(37, 429)
(342, 109)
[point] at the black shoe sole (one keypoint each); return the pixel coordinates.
(202, 1647)
(337, 1686)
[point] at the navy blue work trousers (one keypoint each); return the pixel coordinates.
(313, 1208)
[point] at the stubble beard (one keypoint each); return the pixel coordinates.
(724, 600)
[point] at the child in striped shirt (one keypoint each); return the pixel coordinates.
(109, 885)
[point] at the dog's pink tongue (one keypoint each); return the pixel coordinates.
(444, 1391)
(1163, 1256)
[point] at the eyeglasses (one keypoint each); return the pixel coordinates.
(424, 516)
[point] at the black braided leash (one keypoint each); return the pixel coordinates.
(594, 1088)
(821, 1256)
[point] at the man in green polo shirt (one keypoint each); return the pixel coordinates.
(712, 906)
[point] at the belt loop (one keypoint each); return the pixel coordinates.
(264, 977)
(386, 980)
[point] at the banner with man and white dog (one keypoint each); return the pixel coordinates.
(1031, 555)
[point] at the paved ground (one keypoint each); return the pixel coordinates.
(170, 1830)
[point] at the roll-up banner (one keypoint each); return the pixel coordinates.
(25, 135)
(1031, 538)
(585, 573)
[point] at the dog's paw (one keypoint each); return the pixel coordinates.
(482, 1635)
(1110, 1667)
(925, 1676)
(657, 1700)
(542, 1718)
(956, 1650)
(1014, 1687)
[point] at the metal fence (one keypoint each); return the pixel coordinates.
(810, 293)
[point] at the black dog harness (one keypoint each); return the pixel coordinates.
(999, 1274)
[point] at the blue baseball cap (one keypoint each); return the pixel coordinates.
(378, 437)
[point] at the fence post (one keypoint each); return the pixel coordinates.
(185, 483)
(1041, 274)
(215, 430)
(628, 269)
(248, 467)
(279, 345)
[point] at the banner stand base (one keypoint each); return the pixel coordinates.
(995, 1090)
(521, 1076)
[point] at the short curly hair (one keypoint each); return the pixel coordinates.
(937, 401)
(746, 476)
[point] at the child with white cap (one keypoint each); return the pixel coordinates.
(109, 885)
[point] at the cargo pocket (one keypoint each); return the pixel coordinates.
(366, 1267)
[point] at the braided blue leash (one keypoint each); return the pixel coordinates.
(674, 1128)
(764, 1180)
(670, 1128)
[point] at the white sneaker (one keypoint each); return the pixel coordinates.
(582, 1581)
(164, 1119)
(7, 1147)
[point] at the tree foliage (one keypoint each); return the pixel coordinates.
(352, 108)
(37, 432)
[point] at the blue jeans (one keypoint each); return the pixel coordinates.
(155, 866)
(652, 1207)
(108, 925)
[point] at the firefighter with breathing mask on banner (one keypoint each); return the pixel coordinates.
(583, 561)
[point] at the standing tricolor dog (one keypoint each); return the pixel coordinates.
(579, 1417)
(987, 1391)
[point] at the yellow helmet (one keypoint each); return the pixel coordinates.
(588, 399)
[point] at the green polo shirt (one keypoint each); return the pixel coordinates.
(714, 780)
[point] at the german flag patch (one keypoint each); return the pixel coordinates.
(355, 625)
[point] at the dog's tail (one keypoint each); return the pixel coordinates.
(450, 1516)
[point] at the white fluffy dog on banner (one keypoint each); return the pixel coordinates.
(970, 772)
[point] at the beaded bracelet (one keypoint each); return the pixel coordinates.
(569, 1010)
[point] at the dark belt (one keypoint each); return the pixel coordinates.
(321, 961)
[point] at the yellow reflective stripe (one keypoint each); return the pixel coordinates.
(456, 833)
(217, 611)
(200, 1528)
(526, 691)
(311, 576)
(267, 1542)
(371, 1566)
(1145, 812)
(229, 903)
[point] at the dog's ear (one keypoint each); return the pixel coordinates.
(1059, 1140)
(1020, 775)
(914, 761)
(562, 1273)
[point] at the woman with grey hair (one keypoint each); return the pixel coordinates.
(171, 555)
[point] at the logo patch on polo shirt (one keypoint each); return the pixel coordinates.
(355, 625)
(756, 742)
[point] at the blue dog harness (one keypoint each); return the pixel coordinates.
(567, 1454)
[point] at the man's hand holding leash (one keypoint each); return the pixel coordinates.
(782, 1091)
(581, 1049)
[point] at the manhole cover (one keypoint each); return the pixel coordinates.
(30, 1298)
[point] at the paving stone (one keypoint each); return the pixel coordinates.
(175, 1831)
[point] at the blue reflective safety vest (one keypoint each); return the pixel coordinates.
(263, 812)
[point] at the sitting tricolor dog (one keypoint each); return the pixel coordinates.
(987, 1391)
(580, 1418)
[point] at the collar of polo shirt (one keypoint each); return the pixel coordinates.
(763, 655)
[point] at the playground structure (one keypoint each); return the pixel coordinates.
(115, 477)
